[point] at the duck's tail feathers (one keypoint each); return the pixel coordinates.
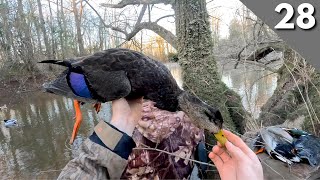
(58, 62)
(59, 86)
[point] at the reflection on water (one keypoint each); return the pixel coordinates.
(255, 87)
(40, 142)
(252, 84)
(38, 147)
(176, 72)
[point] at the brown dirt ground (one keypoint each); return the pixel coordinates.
(12, 91)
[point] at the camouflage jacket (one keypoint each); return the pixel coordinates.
(111, 154)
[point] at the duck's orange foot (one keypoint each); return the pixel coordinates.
(97, 107)
(261, 150)
(78, 119)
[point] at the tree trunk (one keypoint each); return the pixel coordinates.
(195, 50)
(78, 27)
(44, 32)
(200, 72)
(7, 32)
(53, 42)
(59, 17)
(26, 47)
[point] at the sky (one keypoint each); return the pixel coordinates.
(224, 9)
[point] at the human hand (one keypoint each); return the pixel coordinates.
(236, 161)
(126, 114)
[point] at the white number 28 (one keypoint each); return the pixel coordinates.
(308, 14)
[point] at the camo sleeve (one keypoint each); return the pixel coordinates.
(103, 156)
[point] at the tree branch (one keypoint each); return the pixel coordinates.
(143, 10)
(105, 25)
(125, 3)
(276, 45)
(170, 15)
(153, 26)
(161, 31)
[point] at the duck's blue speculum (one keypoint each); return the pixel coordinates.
(79, 85)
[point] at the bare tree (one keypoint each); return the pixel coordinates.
(194, 44)
(26, 46)
(77, 19)
(44, 31)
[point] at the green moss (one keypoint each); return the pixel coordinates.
(200, 72)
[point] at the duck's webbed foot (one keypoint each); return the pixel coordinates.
(261, 150)
(97, 107)
(78, 120)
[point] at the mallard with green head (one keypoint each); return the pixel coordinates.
(122, 73)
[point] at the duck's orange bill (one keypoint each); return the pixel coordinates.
(78, 119)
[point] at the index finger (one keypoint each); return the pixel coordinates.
(237, 141)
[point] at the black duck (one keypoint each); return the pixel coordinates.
(115, 73)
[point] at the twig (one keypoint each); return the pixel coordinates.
(295, 81)
(259, 65)
(171, 154)
(65, 144)
(50, 170)
(121, 44)
(249, 44)
(273, 169)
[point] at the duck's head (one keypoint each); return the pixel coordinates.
(202, 115)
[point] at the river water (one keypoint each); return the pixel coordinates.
(38, 147)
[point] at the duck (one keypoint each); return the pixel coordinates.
(123, 73)
(279, 144)
(10, 123)
(289, 145)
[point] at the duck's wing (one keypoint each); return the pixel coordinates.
(108, 85)
(280, 134)
(106, 73)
